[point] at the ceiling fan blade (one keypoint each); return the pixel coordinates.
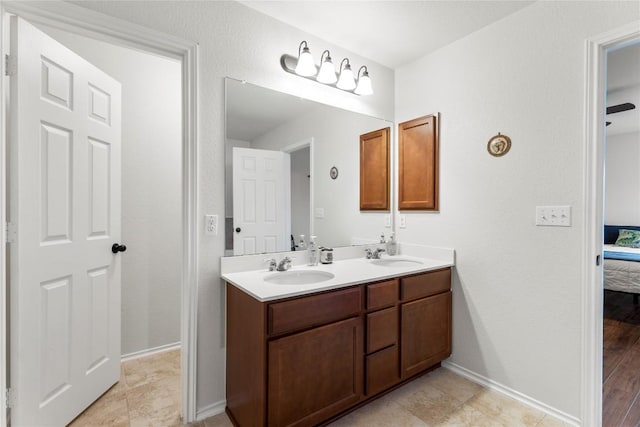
(620, 108)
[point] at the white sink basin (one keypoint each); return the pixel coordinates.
(302, 277)
(396, 262)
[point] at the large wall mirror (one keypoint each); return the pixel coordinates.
(292, 168)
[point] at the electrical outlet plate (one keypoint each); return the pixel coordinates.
(553, 216)
(403, 221)
(211, 225)
(387, 220)
(319, 212)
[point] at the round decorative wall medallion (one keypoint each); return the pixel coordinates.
(333, 173)
(499, 145)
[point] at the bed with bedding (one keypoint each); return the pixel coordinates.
(621, 261)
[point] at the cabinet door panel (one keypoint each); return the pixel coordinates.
(374, 170)
(418, 145)
(315, 374)
(426, 333)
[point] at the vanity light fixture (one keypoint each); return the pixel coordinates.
(346, 80)
(327, 73)
(364, 82)
(304, 66)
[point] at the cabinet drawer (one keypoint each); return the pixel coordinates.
(382, 329)
(382, 370)
(382, 294)
(306, 312)
(424, 285)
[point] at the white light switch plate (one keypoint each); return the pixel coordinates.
(211, 225)
(403, 221)
(553, 216)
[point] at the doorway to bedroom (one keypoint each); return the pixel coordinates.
(621, 321)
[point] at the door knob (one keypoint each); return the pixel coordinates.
(118, 248)
(238, 229)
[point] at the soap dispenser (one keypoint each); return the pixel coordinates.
(313, 251)
(392, 245)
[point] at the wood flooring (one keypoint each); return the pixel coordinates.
(621, 364)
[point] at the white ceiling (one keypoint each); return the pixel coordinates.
(623, 85)
(391, 33)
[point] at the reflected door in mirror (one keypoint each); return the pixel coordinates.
(261, 201)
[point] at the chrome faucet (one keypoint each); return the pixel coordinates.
(284, 264)
(272, 263)
(374, 254)
(377, 253)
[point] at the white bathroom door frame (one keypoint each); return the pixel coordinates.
(308, 142)
(593, 210)
(79, 20)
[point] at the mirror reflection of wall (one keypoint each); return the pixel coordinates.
(316, 137)
(300, 193)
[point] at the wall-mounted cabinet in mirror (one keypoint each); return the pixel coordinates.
(418, 163)
(374, 170)
(280, 150)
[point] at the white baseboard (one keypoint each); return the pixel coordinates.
(150, 351)
(211, 410)
(523, 398)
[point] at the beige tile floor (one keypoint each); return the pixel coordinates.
(148, 394)
(440, 398)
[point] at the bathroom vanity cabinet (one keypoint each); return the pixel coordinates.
(302, 361)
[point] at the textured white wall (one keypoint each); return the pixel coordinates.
(517, 287)
(336, 138)
(622, 180)
(238, 42)
(151, 192)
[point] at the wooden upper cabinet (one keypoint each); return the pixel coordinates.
(418, 164)
(374, 170)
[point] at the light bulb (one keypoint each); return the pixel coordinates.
(327, 73)
(364, 85)
(305, 66)
(346, 80)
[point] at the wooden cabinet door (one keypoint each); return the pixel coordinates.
(418, 164)
(374, 170)
(316, 374)
(425, 333)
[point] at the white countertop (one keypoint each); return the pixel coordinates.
(347, 272)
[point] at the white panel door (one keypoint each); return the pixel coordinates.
(65, 203)
(261, 201)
